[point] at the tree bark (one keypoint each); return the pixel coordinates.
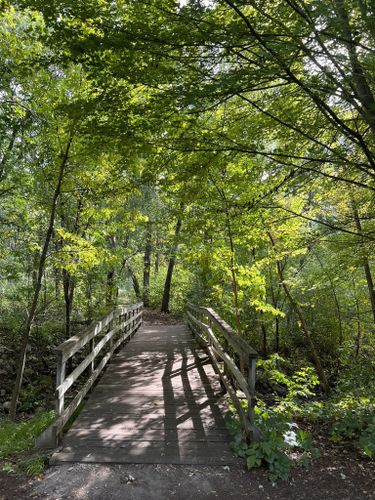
(147, 268)
(41, 266)
(171, 264)
(68, 284)
(110, 285)
(359, 326)
(137, 288)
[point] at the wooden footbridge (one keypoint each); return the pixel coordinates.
(161, 398)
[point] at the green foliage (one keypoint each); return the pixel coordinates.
(279, 436)
(8, 467)
(20, 437)
(35, 465)
(270, 156)
(301, 384)
(348, 414)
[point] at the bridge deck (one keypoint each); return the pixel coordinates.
(159, 401)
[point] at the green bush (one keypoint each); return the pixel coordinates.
(301, 384)
(279, 437)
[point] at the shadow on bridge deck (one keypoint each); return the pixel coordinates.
(159, 401)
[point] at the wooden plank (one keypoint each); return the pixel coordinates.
(156, 405)
(69, 381)
(238, 343)
(137, 456)
(62, 420)
(75, 343)
(141, 420)
(232, 394)
(120, 434)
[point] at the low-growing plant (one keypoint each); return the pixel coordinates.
(19, 437)
(34, 466)
(279, 437)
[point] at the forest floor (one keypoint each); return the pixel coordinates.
(336, 474)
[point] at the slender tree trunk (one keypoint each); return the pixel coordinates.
(137, 288)
(110, 286)
(157, 262)
(277, 333)
(275, 301)
(147, 268)
(56, 274)
(366, 264)
(45, 290)
(171, 264)
(68, 284)
(34, 304)
(337, 303)
(234, 277)
(7, 153)
(303, 324)
(359, 328)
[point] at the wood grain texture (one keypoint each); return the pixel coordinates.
(159, 401)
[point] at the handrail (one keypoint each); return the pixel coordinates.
(204, 322)
(118, 326)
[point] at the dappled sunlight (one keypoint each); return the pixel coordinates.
(156, 403)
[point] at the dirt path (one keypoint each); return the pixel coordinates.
(338, 477)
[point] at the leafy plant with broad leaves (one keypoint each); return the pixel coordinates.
(279, 436)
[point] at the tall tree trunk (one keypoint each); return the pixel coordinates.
(337, 303)
(303, 324)
(157, 258)
(147, 268)
(171, 264)
(41, 266)
(137, 288)
(110, 287)
(68, 284)
(366, 264)
(359, 326)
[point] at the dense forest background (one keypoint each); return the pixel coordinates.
(218, 152)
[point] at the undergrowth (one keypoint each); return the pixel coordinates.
(17, 444)
(347, 416)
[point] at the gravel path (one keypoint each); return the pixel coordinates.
(340, 477)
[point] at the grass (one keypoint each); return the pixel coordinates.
(17, 444)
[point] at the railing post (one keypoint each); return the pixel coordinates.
(91, 348)
(126, 328)
(110, 326)
(255, 434)
(60, 399)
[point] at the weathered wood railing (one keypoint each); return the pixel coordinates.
(100, 341)
(233, 359)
